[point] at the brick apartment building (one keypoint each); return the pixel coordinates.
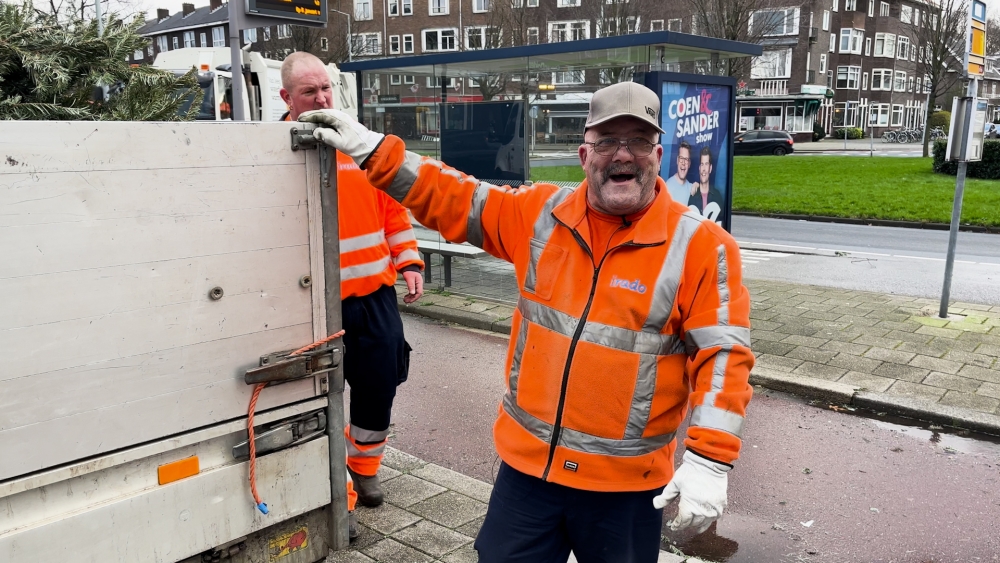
(841, 63)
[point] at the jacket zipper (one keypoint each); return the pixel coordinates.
(557, 427)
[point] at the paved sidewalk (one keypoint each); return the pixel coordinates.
(879, 352)
(431, 514)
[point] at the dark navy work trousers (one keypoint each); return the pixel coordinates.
(532, 521)
(376, 357)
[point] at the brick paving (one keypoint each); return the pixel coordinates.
(431, 515)
(891, 349)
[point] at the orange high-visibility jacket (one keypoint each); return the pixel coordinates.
(603, 361)
(376, 238)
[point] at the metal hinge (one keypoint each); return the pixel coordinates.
(302, 139)
(284, 434)
(280, 367)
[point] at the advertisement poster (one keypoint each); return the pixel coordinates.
(696, 146)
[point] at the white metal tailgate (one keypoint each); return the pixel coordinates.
(112, 236)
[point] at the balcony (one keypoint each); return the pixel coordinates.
(772, 88)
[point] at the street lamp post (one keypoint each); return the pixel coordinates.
(350, 40)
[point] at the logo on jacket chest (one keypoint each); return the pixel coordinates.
(630, 285)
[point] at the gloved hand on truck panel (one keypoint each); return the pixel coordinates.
(701, 484)
(342, 132)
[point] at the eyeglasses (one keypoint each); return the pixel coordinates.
(609, 146)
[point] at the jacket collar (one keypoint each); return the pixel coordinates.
(652, 228)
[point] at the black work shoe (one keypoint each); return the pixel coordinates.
(352, 526)
(369, 489)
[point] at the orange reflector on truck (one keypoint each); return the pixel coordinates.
(177, 470)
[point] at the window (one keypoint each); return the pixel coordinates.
(919, 85)
(407, 7)
(480, 6)
(850, 5)
(393, 44)
(188, 39)
(408, 79)
(393, 7)
(903, 47)
(868, 46)
(371, 82)
(618, 26)
(656, 25)
(482, 37)
(826, 20)
(885, 45)
(848, 77)
(883, 9)
(881, 78)
(437, 40)
(438, 7)
(833, 42)
(567, 3)
(850, 40)
(906, 14)
(137, 55)
(772, 64)
(568, 77)
(395, 79)
(822, 64)
(175, 42)
(203, 39)
(878, 115)
(362, 9)
(366, 43)
(284, 31)
(439, 81)
(267, 33)
(161, 43)
(899, 84)
(569, 31)
(250, 35)
(909, 84)
(532, 3)
(836, 5)
(775, 22)
(324, 44)
(871, 8)
(845, 114)
(532, 36)
(408, 43)
(864, 81)
(674, 24)
(149, 49)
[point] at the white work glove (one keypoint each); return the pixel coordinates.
(342, 132)
(701, 483)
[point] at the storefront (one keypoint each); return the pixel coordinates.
(794, 113)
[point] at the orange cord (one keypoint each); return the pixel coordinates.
(253, 404)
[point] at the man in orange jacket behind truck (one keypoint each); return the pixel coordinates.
(631, 310)
(376, 242)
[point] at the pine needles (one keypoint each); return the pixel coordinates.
(51, 70)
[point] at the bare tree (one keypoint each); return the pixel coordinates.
(993, 36)
(939, 40)
(749, 21)
(619, 17)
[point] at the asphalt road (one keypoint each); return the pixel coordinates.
(869, 258)
(812, 485)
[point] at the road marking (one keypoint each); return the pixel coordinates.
(918, 257)
(869, 253)
(778, 245)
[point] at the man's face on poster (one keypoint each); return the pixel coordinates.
(705, 169)
(683, 162)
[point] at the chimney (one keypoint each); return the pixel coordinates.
(187, 9)
(214, 5)
(162, 14)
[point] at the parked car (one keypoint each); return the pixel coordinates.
(778, 143)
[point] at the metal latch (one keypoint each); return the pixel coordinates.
(280, 367)
(302, 139)
(285, 434)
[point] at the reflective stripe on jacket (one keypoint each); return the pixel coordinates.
(603, 361)
(376, 237)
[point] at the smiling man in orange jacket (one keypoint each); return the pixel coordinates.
(631, 310)
(376, 242)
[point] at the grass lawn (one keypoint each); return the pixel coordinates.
(844, 186)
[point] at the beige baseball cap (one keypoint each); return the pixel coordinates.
(624, 99)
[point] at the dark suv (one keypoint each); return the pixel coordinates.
(759, 141)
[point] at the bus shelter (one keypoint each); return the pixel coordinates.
(504, 115)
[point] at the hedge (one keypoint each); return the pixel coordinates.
(851, 132)
(987, 169)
